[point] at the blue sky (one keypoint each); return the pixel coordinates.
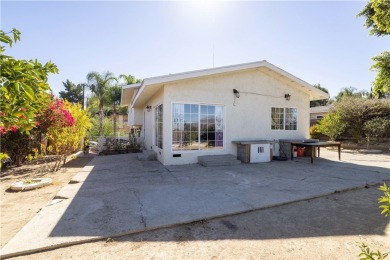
(319, 42)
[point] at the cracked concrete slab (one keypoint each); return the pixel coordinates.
(116, 195)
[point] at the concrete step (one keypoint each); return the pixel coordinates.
(218, 160)
(147, 155)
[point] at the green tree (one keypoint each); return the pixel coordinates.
(321, 102)
(73, 93)
(382, 80)
(107, 128)
(23, 87)
(114, 96)
(331, 125)
(123, 110)
(350, 92)
(377, 13)
(129, 79)
(99, 85)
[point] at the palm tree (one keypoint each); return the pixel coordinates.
(129, 79)
(99, 84)
(114, 96)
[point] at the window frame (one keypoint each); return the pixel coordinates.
(156, 126)
(199, 104)
(284, 119)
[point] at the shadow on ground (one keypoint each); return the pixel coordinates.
(121, 195)
(118, 195)
(351, 213)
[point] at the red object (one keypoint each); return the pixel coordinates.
(301, 152)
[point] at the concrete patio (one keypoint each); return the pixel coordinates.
(117, 195)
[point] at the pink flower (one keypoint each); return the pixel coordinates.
(58, 102)
(13, 128)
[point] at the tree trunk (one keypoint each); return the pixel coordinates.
(114, 121)
(18, 160)
(100, 121)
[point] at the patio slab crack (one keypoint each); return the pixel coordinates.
(141, 205)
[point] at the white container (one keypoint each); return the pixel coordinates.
(260, 153)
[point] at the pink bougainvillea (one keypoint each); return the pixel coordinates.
(13, 128)
(2, 130)
(56, 115)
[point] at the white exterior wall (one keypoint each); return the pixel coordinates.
(249, 118)
(148, 130)
(135, 116)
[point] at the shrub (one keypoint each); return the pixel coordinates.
(3, 156)
(355, 112)
(331, 125)
(314, 132)
(385, 200)
(107, 127)
(18, 145)
(377, 127)
(67, 129)
(365, 252)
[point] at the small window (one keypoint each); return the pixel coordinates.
(284, 118)
(320, 117)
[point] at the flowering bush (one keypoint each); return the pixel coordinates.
(56, 115)
(18, 145)
(60, 128)
(23, 87)
(67, 126)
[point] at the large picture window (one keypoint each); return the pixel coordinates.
(159, 126)
(197, 127)
(284, 118)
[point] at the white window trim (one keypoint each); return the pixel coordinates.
(284, 120)
(199, 150)
(154, 126)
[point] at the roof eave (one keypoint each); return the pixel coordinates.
(213, 71)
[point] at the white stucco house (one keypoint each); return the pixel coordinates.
(185, 115)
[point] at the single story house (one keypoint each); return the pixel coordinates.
(185, 115)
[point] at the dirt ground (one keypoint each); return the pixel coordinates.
(384, 145)
(17, 208)
(322, 228)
